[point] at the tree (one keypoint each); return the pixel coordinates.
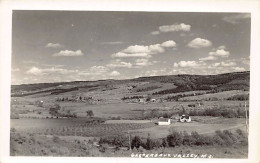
(54, 110)
(149, 143)
(136, 142)
(165, 143)
(174, 139)
(90, 113)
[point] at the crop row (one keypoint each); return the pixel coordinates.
(90, 130)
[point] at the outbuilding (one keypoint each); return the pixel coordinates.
(164, 121)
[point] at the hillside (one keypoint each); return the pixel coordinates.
(155, 85)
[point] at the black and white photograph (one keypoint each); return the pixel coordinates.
(130, 84)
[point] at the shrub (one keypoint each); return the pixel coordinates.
(136, 142)
(150, 144)
(225, 136)
(188, 139)
(165, 143)
(243, 97)
(90, 113)
(174, 139)
(55, 139)
(54, 110)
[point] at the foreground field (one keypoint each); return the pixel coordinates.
(45, 145)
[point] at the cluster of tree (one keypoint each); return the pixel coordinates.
(216, 112)
(58, 91)
(90, 113)
(132, 97)
(55, 111)
(213, 84)
(157, 113)
(80, 98)
(147, 89)
(175, 138)
(177, 97)
(174, 90)
(239, 97)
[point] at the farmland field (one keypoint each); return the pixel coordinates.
(104, 116)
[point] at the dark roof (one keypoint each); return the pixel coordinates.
(163, 119)
(185, 116)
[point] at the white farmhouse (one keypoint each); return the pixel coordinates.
(185, 118)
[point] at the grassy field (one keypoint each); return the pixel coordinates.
(74, 127)
(201, 127)
(37, 133)
(78, 146)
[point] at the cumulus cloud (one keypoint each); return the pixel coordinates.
(127, 55)
(98, 69)
(168, 44)
(120, 64)
(189, 64)
(228, 64)
(155, 32)
(199, 43)
(68, 53)
(224, 64)
(236, 18)
(142, 62)
(220, 53)
(144, 51)
(46, 71)
(209, 58)
(152, 49)
(239, 68)
(204, 68)
(175, 27)
(53, 45)
(245, 61)
(34, 71)
(112, 43)
(114, 73)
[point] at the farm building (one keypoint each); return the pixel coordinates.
(164, 121)
(185, 118)
(141, 100)
(153, 100)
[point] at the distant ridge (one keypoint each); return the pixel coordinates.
(181, 82)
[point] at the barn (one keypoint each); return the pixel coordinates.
(164, 121)
(185, 118)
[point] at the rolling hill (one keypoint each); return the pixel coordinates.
(154, 85)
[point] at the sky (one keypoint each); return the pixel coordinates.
(61, 46)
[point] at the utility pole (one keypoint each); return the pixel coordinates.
(129, 136)
(246, 119)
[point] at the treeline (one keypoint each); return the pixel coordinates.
(177, 97)
(147, 88)
(80, 98)
(175, 138)
(215, 112)
(199, 87)
(239, 97)
(59, 91)
(132, 97)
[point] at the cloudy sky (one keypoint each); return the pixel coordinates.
(53, 46)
